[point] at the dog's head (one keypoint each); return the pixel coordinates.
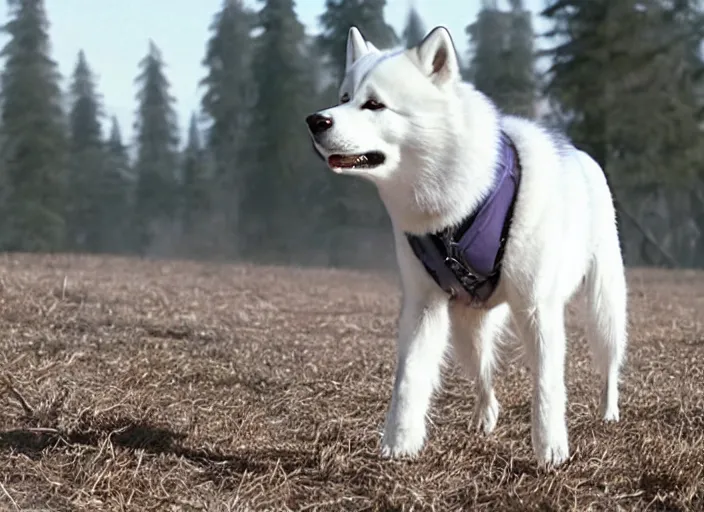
(392, 104)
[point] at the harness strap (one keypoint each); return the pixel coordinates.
(465, 261)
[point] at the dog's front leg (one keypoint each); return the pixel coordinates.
(422, 340)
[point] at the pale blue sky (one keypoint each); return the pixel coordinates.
(115, 33)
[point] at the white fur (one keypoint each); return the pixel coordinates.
(440, 137)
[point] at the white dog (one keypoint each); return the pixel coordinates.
(497, 223)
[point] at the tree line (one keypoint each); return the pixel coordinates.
(623, 79)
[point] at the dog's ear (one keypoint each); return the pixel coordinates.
(357, 47)
(438, 58)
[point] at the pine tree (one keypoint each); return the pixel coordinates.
(339, 16)
(583, 52)
(627, 78)
(157, 154)
(116, 147)
(116, 195)
(352, 207)
(280, 146)
(34, 135)
(415, 29)
(117, 153)
(227, 102)
(614, 68)
(87, 161)
(195, 181)
(520, 68)
(86, 109)
(503, 61)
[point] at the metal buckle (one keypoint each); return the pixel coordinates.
(459, 268)
(467, 280)
(470, 280)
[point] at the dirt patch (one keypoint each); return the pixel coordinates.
(143, 385)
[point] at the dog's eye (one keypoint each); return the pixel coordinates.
(373, 105)
(345, 98)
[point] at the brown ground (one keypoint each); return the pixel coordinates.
(182, 386)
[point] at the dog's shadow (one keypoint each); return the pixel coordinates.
(130, 434)
(123, 432)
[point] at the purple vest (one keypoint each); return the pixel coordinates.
(465, 260)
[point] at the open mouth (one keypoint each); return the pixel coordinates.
(363, 161)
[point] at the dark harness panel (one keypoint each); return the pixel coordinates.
(465, 260)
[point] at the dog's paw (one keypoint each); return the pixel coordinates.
(610, 415)
(608, 408)
(402, 442)
(486, 415)
(553, 456)
(552, 450)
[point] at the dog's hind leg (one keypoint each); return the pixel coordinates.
(606, 322)
(475, 338)
(542, 329)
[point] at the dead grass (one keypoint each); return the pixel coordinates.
(134, 385)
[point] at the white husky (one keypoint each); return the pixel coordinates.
(432, 146)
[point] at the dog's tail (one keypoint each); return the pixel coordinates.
(606, 293)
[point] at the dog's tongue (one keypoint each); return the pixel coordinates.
(342, 161)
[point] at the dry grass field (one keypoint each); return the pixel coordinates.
(177, 386)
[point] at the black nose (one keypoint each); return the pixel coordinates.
(318, 123)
